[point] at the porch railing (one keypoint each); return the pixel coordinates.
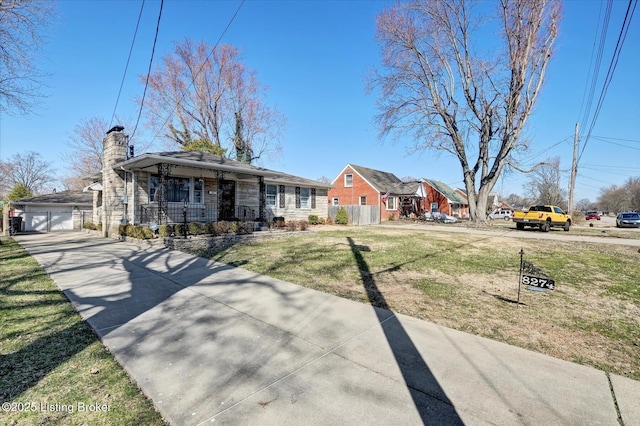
(196, 213)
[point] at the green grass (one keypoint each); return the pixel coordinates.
(469, 282)
(53, 368)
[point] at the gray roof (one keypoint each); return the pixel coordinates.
(62, 197)
(385, 182)
(381, 181)
(447, 191)
(207, 161)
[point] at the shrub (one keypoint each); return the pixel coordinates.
(210, 228)
(222, 227)
(165, 230)
(196, 228)
(99, 226)
(329, 220)
(303, 225)
(122, 230)
(132, 231)
(292, 225)
(242, 228)
(90, 225)
(147, 233)
(179, 229)
(341, 217)
(138, 232)
(278, 222)
(314, 219)
(392, 217)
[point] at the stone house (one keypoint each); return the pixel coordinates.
(171, 187)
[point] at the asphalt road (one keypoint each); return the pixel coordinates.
(556, 234)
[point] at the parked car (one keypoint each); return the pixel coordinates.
(628, 220)
(501, 214)
(592, 215)
(440, 217)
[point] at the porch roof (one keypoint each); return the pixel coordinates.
(209, 162)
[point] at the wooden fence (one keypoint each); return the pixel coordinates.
(358, 215)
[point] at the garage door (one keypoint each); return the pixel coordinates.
(48, 221)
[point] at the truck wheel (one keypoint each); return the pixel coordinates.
(519, 226)
(545, 227)
(507, 218)
(567, 225)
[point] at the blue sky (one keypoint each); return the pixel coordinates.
(314, 56)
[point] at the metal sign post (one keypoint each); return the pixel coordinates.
(533, 277)
(520, 278)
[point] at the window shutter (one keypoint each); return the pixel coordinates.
(313, 198)
(297, 197)
(281, 191)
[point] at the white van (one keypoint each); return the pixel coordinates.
(501, 214)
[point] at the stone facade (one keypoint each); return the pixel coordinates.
(113, 196)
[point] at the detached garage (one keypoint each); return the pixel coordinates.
(59, 211)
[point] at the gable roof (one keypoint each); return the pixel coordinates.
(62, 197)
(379, 180)
(206, 161)
(446, 190)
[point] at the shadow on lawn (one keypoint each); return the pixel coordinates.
(428, 396)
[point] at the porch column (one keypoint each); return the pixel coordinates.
(164, 170)
(263, 199)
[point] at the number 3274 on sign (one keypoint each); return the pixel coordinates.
(538, 282)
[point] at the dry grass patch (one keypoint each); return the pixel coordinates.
(470, 283)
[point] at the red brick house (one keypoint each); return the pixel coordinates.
(441, 198)
(357, 185)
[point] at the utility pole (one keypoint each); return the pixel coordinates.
(574, 170)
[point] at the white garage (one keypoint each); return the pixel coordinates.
(58, 211)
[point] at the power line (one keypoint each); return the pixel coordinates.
(126, 67)
(612, 67)
(199, 70)
(146, 84)
(596, 69)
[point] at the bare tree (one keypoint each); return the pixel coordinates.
(621, 198)
(21, 38)
(85, 150)
(456, 91)
(545, 184)
(214, 102)
(26, 169)
(584, 204)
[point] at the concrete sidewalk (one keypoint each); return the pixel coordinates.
(214, 344)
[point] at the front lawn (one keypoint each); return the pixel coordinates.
(53, 368)
(470, 283)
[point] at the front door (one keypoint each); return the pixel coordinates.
(226, 199)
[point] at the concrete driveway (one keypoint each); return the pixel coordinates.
(214, 344)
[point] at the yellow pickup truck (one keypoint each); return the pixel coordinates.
(542, 217)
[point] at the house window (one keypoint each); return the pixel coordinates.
(305, 198)
(363, 200)
(434, 207)
(348, 180)
(392, 203)
(335, 201)
(272, 195)
(177, 189)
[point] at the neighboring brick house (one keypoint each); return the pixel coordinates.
(357, 185)
(441, 198)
